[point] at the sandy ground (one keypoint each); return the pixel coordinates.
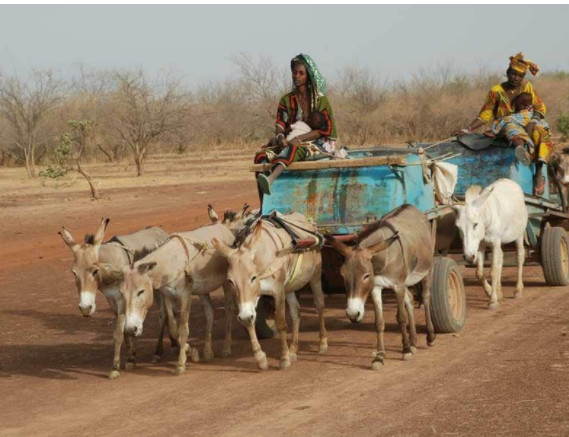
(505, 374)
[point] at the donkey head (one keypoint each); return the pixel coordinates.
(470, 221)
(137, 289)
(235, 221)
(243, 276)
(85, 266)
(358, 273)
(559, 162)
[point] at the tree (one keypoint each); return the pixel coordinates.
(145, 111)
(24, 105)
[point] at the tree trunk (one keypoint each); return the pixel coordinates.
(33, 160)
(139, 158)
(94, 192)
(107, 154)
(27, 164)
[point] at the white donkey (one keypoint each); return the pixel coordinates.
(92, 260)
(496, 215)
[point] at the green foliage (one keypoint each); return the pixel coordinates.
(62, 155)
(563, 123)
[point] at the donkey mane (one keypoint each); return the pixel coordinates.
(380, 223)
(566, 150)
(141, 253)
(472, 193)
(229, 216)
(89, 239)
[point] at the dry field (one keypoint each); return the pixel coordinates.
(505, 374)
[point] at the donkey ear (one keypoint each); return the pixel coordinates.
(222, 248)
(100, 234)
(212, 214)
(241, 213)
(344, 249)
(383, 244)
(68, 239)
(554, 160)
(146, 267)
(255, 235)
(483, 197)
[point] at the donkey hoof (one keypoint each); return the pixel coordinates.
(376, 364)
(413, 350)
(262, 362)
(407, 356)
(226, 352)
(517, 294)
(207, 355)
(284, 364)
(156, 358)
(323, 348)
(493, 305)
(292, 356)
(180, 369)
(114, 374)
(432, 342)
(194, 355)
(129, 365)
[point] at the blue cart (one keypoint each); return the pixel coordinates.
(343, 196)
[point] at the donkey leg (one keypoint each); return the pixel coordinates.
(208, 308)
(480, 270)
(229, 313)
(280, 319)
(118, 337)
(319, 303)
(258, 353)
(163, 317)
(411, 319)
(521, 256)
(184, 329)
(400, 291)
(131, 359)
(294, 308)
(496, 270)
(174, 330)
(379, 356)
(427, 284)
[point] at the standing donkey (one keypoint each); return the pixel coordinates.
(182, 266)
(263, 264)
(394, 253)
(496, 215)
(91, 270)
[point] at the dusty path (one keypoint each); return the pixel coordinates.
(506, 374)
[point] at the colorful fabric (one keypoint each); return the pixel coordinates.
(521, 65)
(286, 156)
(498, 103)
(289, 112)
(513, 127)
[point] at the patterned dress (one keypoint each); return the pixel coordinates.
(498, 105)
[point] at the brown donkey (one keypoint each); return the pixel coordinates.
(264, 265)
(394, 253)
(92, 261)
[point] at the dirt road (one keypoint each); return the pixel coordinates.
(505, 374)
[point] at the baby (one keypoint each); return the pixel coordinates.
(523, 113)
(315, 121)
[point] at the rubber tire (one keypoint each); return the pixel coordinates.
(552, 257)
(443, 319)
(264, 309)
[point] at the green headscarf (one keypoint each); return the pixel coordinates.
(318, 81)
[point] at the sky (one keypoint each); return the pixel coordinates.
(198, 41)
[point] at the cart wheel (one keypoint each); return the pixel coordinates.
(555, 256)
(448, 299)
(265, 321)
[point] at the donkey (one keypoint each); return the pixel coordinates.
(263, 265)
(92, 260)
(235, 221)
(182, 266)
(496, 215)
(559, 163)
(395, 252)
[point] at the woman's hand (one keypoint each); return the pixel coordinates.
(460, 133)
(295, 141)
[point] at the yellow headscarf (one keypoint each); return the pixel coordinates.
(519, 64)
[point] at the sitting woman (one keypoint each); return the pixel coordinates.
(533, 142)
(307, 97)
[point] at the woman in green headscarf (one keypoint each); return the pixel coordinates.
(307, 96)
